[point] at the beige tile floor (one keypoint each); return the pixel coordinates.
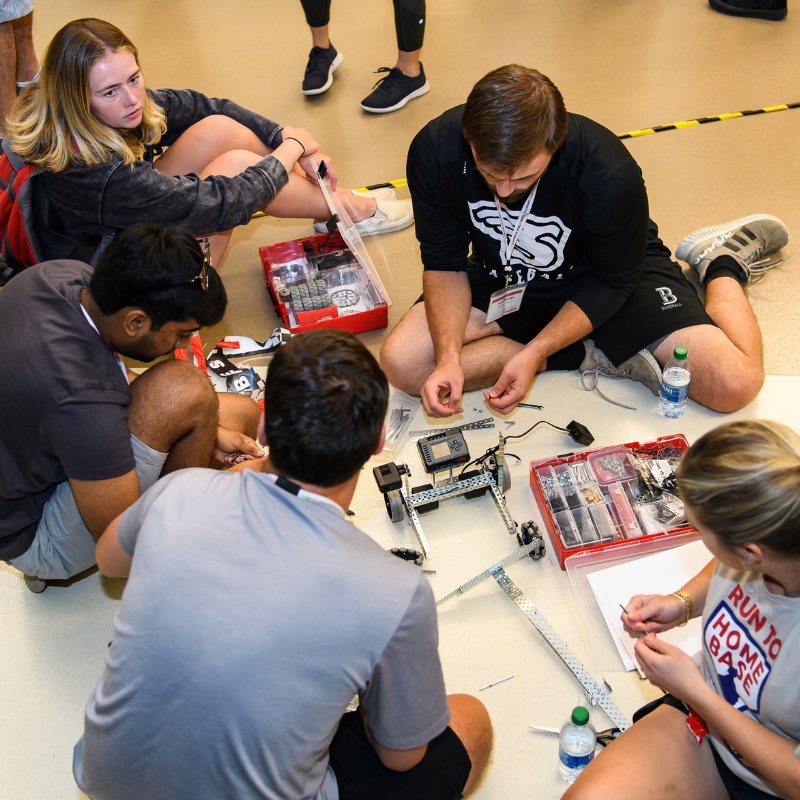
(627, 63)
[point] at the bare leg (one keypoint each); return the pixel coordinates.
(8, 71)
(470, 722)
(684, 770)
(408, 62)
(218, 145)
(174, 409)
(407, 356)
(27, 63)
(239, 413)
(319, 37)
(726, 362)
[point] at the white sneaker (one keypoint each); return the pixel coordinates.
(391, 215)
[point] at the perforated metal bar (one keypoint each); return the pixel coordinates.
(515, 556)
(500, 502)
(446, 490)
(592, 687)
(499, 457)
(413, 517)
(470, 426)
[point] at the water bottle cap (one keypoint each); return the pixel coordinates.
(680, 353)
(580, 716)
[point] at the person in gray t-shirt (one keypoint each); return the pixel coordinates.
(254, 612)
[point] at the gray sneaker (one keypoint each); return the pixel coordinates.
(748, 240)
(641, 367)
(35, 585)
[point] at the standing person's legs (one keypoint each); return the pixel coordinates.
(452, 764)
(324, 59)
(27, 63)
(407, 79)
(318, 16)
(409, 25)
(8, 71)
(17, 57)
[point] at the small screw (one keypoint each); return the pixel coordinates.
(426, 571)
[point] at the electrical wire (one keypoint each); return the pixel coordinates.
(492, 450)
(540, 422)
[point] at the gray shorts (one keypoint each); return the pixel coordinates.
(63, 546)
(14, 9)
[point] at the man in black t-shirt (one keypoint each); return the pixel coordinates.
(81, 438)
(562, 249)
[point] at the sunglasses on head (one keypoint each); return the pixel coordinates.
(202, 276)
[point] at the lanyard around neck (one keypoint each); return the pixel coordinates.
(515, 234)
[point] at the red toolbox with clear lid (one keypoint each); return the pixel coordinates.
(599, 499)
(327, 280)
(318, 282)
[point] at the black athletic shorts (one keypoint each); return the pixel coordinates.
(663, 302)
(441, 775)
(737, 788)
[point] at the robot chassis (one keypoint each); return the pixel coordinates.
(492, 475)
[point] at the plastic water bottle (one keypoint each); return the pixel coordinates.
(576, 745)
(675, 385)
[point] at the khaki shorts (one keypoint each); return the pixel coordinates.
(63, 546)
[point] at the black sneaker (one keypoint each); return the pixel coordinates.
(758, 9)
(394, 90)
(322, 64)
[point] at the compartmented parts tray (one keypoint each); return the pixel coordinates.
(600, 498)
(317, 282)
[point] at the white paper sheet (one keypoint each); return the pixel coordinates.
(660, 573)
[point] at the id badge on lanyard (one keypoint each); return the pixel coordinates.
(509, 299)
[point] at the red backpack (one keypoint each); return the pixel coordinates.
(20, 247)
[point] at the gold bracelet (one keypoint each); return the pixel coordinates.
(686, 599)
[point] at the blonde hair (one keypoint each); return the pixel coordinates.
(742, 482)
(51, 125)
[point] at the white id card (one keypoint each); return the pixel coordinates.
(505, 301)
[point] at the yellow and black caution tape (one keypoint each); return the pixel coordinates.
(389, 184)
(703, 120)
(689, 123)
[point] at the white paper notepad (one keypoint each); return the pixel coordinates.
(660, 573)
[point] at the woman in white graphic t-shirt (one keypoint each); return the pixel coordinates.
(740, 485)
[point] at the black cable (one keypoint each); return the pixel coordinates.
(492, 450)
(540, 422)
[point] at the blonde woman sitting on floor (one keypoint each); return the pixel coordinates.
(97, 133)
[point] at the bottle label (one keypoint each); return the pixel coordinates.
(574, 762)
(675, 385)
(674, 394)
